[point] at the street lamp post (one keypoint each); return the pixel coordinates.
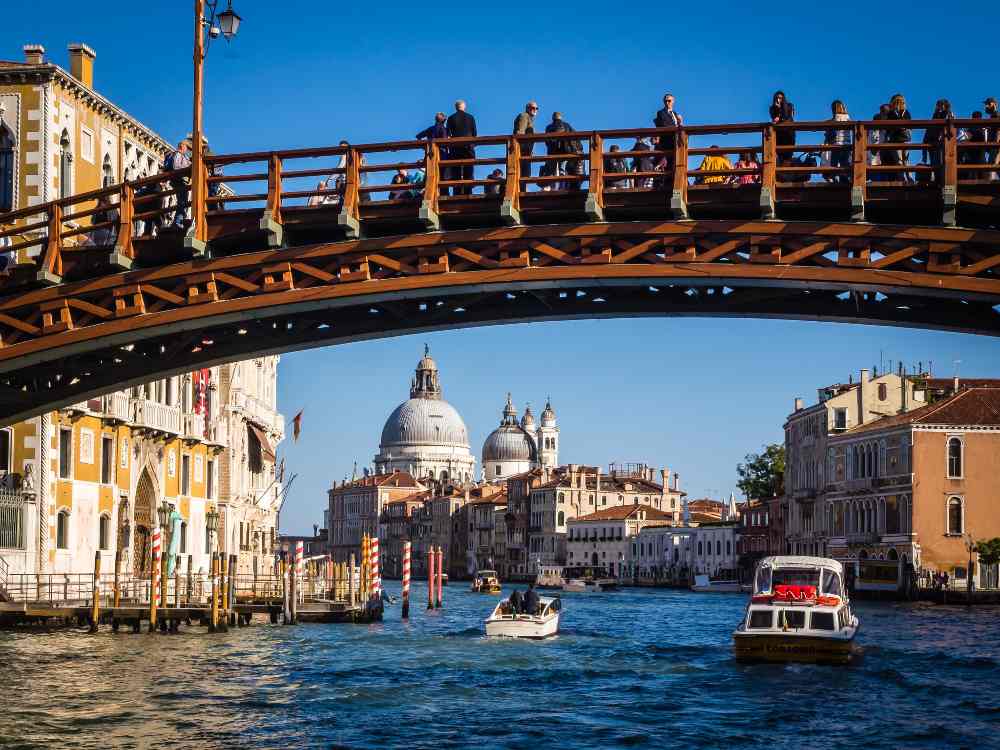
(970, 545)
(211, 523)
(228, 25)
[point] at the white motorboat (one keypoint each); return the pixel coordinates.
(704, 584)
(799, 612)
(504, 622)
(588, 580)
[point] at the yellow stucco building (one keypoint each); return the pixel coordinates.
(90, 478)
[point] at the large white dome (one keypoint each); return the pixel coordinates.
(424, 421)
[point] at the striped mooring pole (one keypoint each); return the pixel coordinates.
(299, 554)
(406, 580)
(154, 580)
(440, 576)
(376, 572)
(430, 577)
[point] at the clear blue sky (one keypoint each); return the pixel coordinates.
(692, 394)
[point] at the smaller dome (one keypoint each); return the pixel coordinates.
(528, 420)
(509, 444)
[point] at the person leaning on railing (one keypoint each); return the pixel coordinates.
(616, 165)
(668, 118)
(437, 131)
(747, 160)
(934, 136)
(992, 133)
(524, 124)
(897, 134)
(840, 158)
(180, 159)
(782, 110)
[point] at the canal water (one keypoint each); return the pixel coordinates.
(636, 668)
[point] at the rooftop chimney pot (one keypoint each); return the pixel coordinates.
(34, 54)
(81, 63)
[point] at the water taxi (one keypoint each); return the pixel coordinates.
(799, 612)
(587, 580)
(506, 623)
(486, 582)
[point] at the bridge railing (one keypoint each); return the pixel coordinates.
(92, 233)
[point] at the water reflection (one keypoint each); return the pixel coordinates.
(633, 668)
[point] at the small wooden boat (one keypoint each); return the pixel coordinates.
(486, 582)
(506, 623)
(799, 612)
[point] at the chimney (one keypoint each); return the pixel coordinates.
(954, 385)
(863, 397)
(677, 482)
(799, 404)
(34, 54)
(81, 64)
(598, 479)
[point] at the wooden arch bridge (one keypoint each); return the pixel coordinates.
(100, 299)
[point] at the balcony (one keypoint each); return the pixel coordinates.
(117, 406)
(259, 412)
(156, 417)
(863, 537)
(194, 427)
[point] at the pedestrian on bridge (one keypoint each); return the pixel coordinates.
(180, 159)
(992, 132)
(438, 131)
(524, 124)
(668, 118)
(934, 136)
(555, 147)
(893, 157)
(782, 110)
(462, 125)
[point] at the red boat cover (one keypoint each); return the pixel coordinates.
(788, 592)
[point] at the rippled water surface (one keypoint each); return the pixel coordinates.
(635, 668)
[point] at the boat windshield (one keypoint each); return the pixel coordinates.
(831, 583)
(768, 578)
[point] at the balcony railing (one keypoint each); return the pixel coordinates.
(155, 416)
(862, 537)
(117, 406)
(261, 412)
(194, 426)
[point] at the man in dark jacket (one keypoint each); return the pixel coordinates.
(437, 131)
(462, 125)
(516, 602)
(531, 600)
(668, 118)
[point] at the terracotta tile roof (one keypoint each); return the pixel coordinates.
(976, 407)
(622, 512)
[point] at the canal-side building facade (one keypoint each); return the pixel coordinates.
(841, 407)
(607, 538)
(919, 487)
(356, 508)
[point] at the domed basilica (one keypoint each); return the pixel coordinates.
(427, 437)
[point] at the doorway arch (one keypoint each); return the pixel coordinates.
(145, 507)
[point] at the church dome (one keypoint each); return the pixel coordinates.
(424, 421)
(528, 420)
(509, 441)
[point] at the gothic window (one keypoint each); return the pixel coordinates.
(955, 515)
(104, 532)
(6, 169)
(107, 172)
(62, 530)
(65, 166)
(954, 457)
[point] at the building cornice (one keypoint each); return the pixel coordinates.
(50, 72)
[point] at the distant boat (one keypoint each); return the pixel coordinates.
(587, 580)
(503, 622)
(799, 612)
(486, 582)
(549, 577)
(703, 584)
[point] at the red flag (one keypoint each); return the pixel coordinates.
(296, 426)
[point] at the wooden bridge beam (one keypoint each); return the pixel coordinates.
(349, 218)
(270, 221)
(510, 207)
(595, 189)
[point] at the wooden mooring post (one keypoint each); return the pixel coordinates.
(350, 581)
(231, 581)
(440, 578)
(293, 594)
(95, 611)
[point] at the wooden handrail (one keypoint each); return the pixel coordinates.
(126, 215)
(273, 207)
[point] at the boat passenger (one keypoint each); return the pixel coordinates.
(516, 602)
(531, 600)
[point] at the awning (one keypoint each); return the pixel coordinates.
(267, 452)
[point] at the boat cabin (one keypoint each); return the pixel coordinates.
(798, 594)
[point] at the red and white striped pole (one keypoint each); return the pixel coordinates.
(406, 580)
(376, 573)
(299, 588)
(440, 576)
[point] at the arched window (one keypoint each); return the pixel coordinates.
(718, 547)
(562, 497)
(562, 518)
(184, 538)
(699, 548)
(6, 169)
(104, 532)
(62, 530)
(955, 515)
(65, 166)
(883, 392)
(107, 172)
(954, 457)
